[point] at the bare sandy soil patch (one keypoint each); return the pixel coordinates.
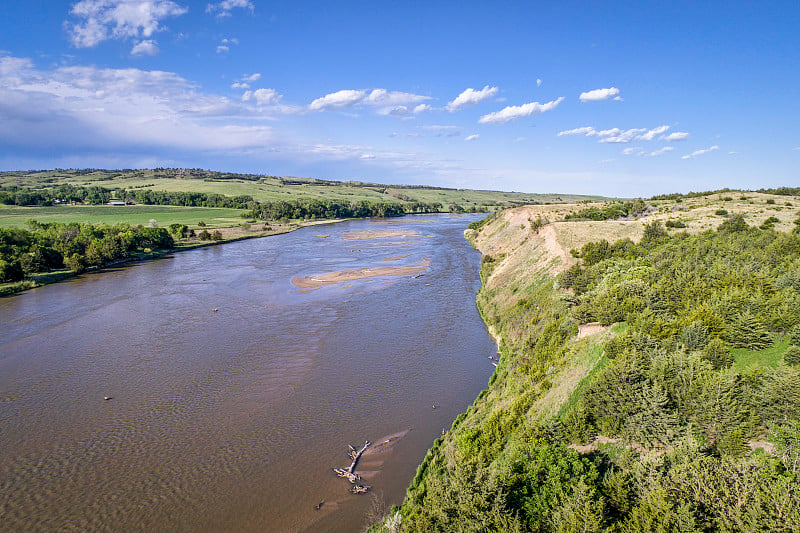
(590, 328)
(332, 278)
(396, 258)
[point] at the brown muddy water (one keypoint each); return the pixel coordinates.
(234, 392)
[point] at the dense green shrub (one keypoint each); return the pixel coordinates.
(792, 355)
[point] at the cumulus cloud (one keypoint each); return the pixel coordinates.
(145, 48)
(471, 137)
(337, 100)
(599, 94)
(514, 112)
(676, 136)
(101, 20)
(421, 108)
(632, 151)
(224, 8)
(538, 82)
(471, 97)
(262, 96)
(388, 100)
(701, 152)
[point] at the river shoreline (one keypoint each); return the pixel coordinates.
(47, 278)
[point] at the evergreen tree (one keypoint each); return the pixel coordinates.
(747, 331)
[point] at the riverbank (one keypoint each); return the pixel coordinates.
(228, 234)
(568, 401)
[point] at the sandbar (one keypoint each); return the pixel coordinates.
(332, 278)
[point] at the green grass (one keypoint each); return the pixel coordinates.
(14, 216)
(593, 353)
(745, 359)
(271, 188)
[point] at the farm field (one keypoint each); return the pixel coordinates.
(17, 217)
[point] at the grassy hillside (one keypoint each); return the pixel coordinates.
(273, 188)
(646, 378)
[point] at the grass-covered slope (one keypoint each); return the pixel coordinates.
(645, 385)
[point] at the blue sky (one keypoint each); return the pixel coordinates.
(627, 98)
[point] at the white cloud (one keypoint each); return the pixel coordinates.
(651, 134)
(382, 97)
(101, 20)
(120, 109)
(585, 130)
(599, 94)
(632, 151)
(471, 137)
(616, 135)
(661, 151)
(421, 108)
(398, 111)
(391, 101)
(538, 82)
(337, 100)
(439, 127)
(224, 46)
(510, 113)
(145, 48)
(367, 156)
(224, 8)
(471, 97)
(701, 152)
(245, 81)
(262, 96)
(676, 136)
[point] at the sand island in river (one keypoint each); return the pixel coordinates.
(332, 278)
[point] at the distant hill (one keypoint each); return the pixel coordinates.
(267, 188)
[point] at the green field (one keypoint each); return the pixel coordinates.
(14, 216)
(272, 188)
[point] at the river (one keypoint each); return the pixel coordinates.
(232, 391)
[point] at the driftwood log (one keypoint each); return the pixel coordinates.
(349, 473)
